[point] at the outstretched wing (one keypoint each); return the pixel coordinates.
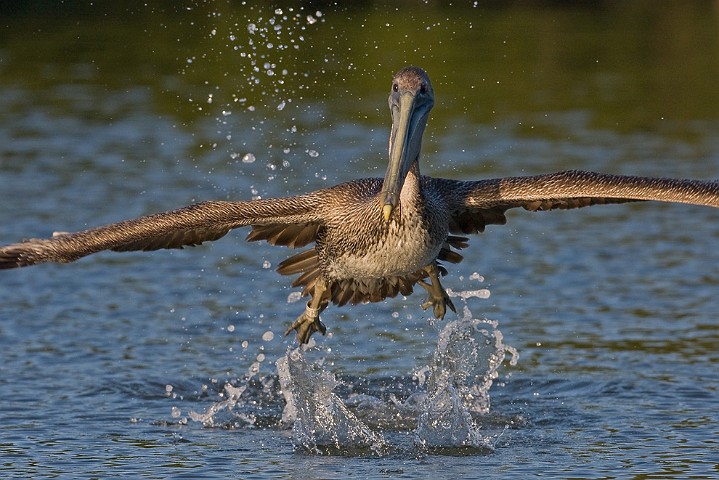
(473, 205)
(190, 225)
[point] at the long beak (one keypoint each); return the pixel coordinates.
(402, 152)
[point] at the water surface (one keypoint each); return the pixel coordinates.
(114, 112)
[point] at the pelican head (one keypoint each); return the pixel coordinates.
(410, 101)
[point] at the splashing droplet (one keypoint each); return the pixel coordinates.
(294, 297)
(322, 422)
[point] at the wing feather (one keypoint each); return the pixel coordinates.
(292, 235)
(296, 220)
(473, 205)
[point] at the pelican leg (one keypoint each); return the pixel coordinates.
(436, 295)
(309, 322)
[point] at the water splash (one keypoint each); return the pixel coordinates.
(440, 409)
(465, 364)
(250, 73)
(321, 422)
(247, 402)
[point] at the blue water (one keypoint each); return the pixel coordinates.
(612, 309)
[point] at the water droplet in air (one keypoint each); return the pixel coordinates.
(267, 336)
(313, 153)
(248, 158)
(476, 276)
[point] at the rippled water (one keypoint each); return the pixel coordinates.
(165, 364)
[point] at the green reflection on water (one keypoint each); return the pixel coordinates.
(632, 63)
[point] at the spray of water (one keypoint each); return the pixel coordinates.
(442, 415)
(465, 363)
(322, 423)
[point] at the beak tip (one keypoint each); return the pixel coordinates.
(387, 212)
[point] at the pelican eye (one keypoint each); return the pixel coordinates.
(423, 88)
(395, 87)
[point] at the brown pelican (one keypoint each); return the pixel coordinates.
(373, 238)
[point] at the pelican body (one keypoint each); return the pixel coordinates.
(372, 238)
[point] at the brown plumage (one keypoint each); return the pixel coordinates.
(372, 238)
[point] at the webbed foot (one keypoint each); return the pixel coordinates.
(307, 324)
(436, 294)
(439, 302)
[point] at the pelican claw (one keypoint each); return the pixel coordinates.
(309, 322)
(305, 326)
(436, 294)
